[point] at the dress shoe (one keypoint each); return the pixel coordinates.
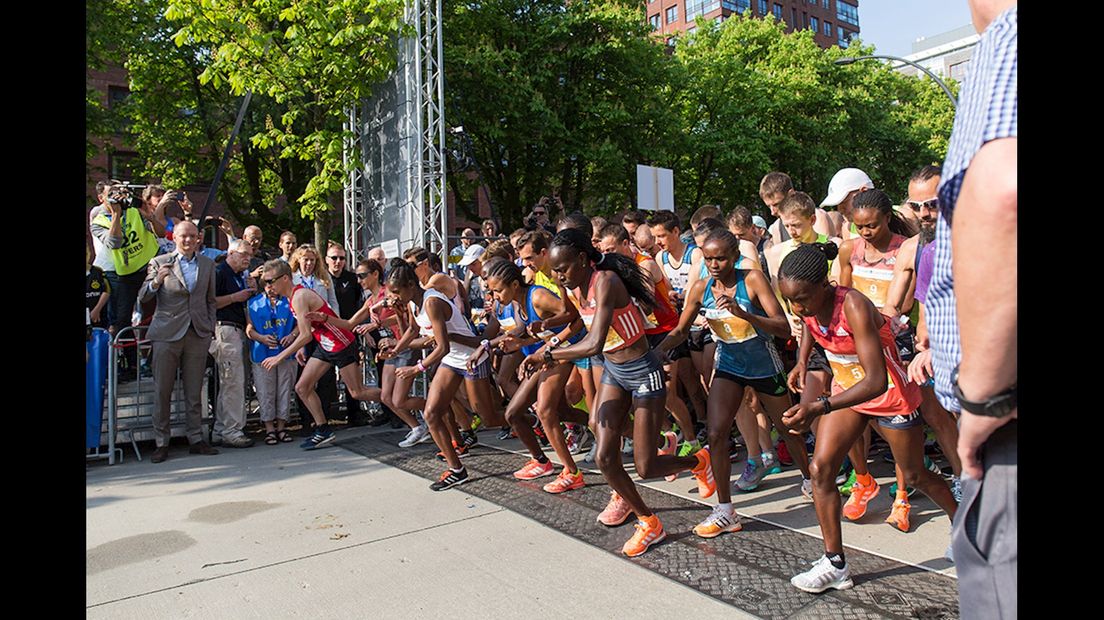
(160, 454)
(202, 448)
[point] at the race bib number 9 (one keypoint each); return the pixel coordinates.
(874, 283)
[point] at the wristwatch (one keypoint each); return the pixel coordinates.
(827, 405)
(554, 341)
(548, 356)
(998, 406)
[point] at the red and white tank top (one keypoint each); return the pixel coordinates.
(664, 318)
(901, 397)
(332, 339)
(872, 278)
(626, 327)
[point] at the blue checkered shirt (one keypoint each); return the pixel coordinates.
(986, 111)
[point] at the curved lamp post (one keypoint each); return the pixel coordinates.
(941, 83)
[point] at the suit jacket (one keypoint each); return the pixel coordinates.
(177, 308)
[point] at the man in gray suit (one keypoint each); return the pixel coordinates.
(181, 330)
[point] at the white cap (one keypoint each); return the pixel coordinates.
(472, 254)
(759, 221)
(844, 182)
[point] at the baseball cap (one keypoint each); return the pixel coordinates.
(759, 221)
(472, 254)
(843, 183)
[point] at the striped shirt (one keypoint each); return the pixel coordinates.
(987, 110)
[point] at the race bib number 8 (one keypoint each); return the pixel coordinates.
(728, 328)
(847, 370)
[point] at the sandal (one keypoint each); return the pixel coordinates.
(270, 439)
(284, 436)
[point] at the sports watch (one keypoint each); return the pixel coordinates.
(998, 406)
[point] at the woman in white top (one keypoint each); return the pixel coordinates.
(307, 270)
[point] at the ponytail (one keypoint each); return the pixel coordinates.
(635, 280)
(878, 200)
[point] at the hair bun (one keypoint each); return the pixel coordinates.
(830, 250)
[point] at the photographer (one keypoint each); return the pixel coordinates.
(131, 239)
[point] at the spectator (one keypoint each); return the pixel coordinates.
(377, 254)
(271, 327)
(288, 243)
(473, 284)
(307, 270)
(181, 329)
(254, 236)
(233, 287)
(457, 253)
(490, 231)
(131, 240)
(96, 293)
(348, 292)
(102, 255)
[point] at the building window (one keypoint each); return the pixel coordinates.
(778, 11)
(116, 96)
(844, 37)
(847, 13)
(739, 6)
(794, 22)
(814, 25)
(763, 8)
(122, 165)
(654, 21)
(825, 2)
(672, 14)
(828, 29)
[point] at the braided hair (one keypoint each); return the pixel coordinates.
(401, 274)
(878, 200)
(504, 271)
(808, 262)
(636, 281)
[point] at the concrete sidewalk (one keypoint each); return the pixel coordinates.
(274, 531)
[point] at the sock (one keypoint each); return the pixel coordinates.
(865, 480)
(542, 459)
(727, 506)
(836, 559)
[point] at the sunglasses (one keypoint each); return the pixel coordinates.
(336, 257)
(266, 281)
(931, 204)
(361, 276)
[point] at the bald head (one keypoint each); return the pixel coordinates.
(186, 237)
(378, 255)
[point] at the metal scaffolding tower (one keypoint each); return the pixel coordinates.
(399, 191)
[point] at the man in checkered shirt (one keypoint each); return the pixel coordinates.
(973, 335)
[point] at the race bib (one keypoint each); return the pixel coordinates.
(612, 339)
(874, 283)
(848, 371)
(508, 324)
(728, 328)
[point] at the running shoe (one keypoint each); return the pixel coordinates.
(687, 448)
(718, 522)
(534, 469)
(807, 488)
(461, 451)
(887, 456)
(845, 488)
(667, 448)
(505, 433)
(615, 512)
(771, 464)
(477, 422)
(893, 490)
(589, 458)
(417, 435)
(823, 576)
(538, 430)
(861, 495)
(702, 435)
(899, 517)
(577, 437)
(783, 453)
(450, 479)
(733, 451)
(703, 474)
(470, 438)
(751, 477)
(647, 534)
(956, 489)
(626, 446)
(566, 481)
(932, 467)
(318, 439)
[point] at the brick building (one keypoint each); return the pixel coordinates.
(833, 21)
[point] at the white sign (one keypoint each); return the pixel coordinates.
(655, 188)
(390, 248)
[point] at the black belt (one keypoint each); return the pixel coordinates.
(231, 324)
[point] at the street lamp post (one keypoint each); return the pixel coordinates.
(942, 84)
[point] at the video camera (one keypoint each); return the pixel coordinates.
(120, 194)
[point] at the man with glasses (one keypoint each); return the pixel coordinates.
(347, 291)
(233, 287)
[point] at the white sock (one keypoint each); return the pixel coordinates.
(727, 506)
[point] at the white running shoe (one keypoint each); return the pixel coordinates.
(807, 488)
(418, 434)
(823, 576)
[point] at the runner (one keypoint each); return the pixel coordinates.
(531, 306)
(336, 346)
(604, 287)
(742, 312)
(842, 189)
(773, 189)
(868, 383)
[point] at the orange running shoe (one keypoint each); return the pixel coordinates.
(649, 531)
(534, 469)
(566, 481)
(670, 444)
(461, 451)
(616, 512)
(703, 473)
(718, 522)
(899, 518)
(861, 494)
